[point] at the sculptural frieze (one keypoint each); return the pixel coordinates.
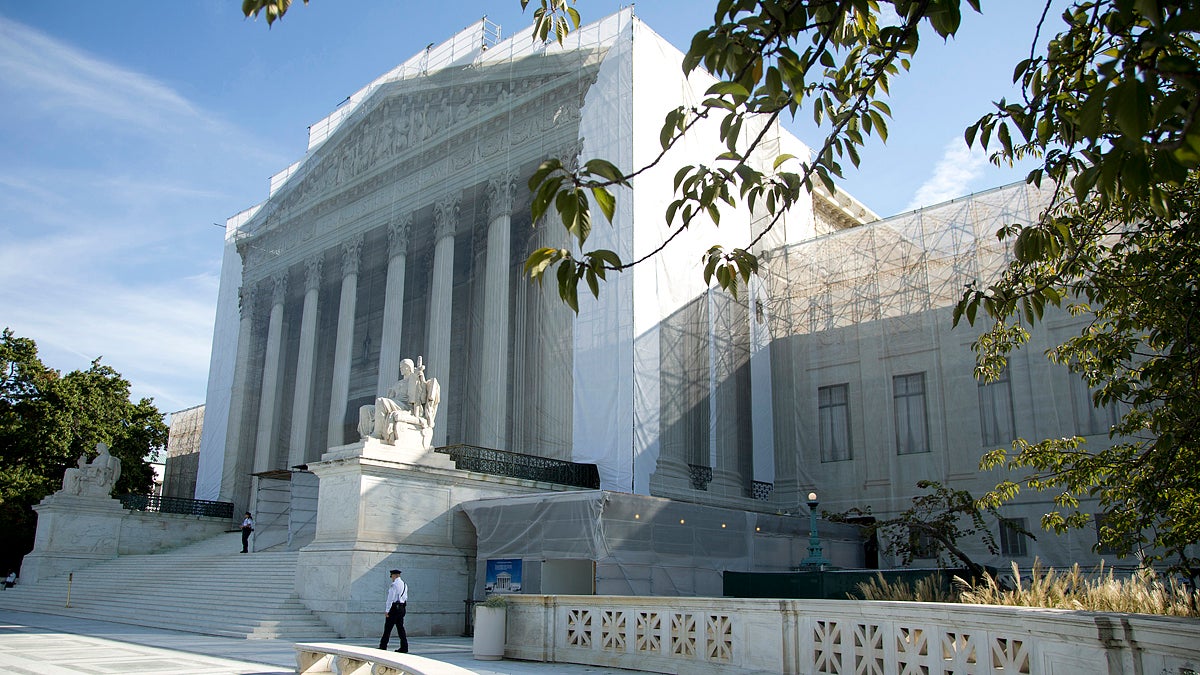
(92, 479)
(408, 411)
(390, 128)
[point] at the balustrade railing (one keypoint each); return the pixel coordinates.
(727, 636)
(516, 465)
(189, 507)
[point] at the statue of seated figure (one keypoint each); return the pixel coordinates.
(96, 479)
(410, 404)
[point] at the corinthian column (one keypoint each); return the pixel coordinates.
(494, 395)
(340, 391)
(393, 304)
(302, 403)
(267, 418)
(445, 220)
(238, 457)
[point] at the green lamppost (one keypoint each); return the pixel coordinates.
(816, 556)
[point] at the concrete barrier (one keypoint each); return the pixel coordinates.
(327, 657)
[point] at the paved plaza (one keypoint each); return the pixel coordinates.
(46, 644)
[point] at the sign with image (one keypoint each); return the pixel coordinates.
(503, 576)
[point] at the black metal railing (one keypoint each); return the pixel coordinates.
(189, 507)
(516, 465)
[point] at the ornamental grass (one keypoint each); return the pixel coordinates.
(1142, 592)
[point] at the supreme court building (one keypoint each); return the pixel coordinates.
(402, 231)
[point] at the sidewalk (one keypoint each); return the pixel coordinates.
(48, 644)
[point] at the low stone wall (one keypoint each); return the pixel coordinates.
(145, 532)
(76, 531)
(734, 635)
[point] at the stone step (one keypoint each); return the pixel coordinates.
(196, 607)
(207, 624)
(207, 588)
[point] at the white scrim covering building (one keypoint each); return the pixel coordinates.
(183, 452)
(402, 232)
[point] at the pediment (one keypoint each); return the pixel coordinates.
(410, 117)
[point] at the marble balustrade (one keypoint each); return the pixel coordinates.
(733, 635)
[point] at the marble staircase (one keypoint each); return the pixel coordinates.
(209, 587)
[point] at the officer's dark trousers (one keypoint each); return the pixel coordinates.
(395, 617)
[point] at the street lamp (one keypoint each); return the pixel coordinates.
(816, 558)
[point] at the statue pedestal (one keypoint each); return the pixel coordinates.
(73, 532)
(383, 507)
(412, 453)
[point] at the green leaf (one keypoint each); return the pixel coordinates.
(726, 88)
(606, 202)
(606, 170)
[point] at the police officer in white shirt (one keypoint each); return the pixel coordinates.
(397, 602)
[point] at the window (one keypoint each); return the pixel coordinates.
(1090, 420)
(996, 411)
(912, 430)
(833, 411)
(922, 544)
(1012, 539)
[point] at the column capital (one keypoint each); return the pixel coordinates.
(399, 232)
(500, 194)
(570, 155)
(279, 282)
(351, 256)
(247, 294)
(445, 216)
(312, 272)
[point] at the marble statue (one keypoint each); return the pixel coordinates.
(96, 479)
(410, 405)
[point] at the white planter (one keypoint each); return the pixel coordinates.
(488, 644)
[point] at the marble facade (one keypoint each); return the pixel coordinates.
(403, 230)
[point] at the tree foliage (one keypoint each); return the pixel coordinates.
(935, 526)
(1111, 110)
(770, 59)
(273, 10)
(47, 420)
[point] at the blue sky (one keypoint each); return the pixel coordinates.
(127, 129)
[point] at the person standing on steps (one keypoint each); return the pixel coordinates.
(397, 603)
(247, 528)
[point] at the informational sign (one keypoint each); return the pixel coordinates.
(503, 576)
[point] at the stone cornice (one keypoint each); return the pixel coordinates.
(292, 231)
(399, 126)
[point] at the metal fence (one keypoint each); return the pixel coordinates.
(516, 465)
(190, 507)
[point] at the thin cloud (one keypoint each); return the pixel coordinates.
(64, 79)
(158, 336)
(112, 255)
(958, 168)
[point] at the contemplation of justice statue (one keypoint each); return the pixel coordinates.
(407, 412)
(96, 479)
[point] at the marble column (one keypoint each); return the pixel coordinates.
(494, 395)
(302, 403)
(393, 304)
(445, 221)
(267, 408)
(762, 412)
(234, 488)
(339, 393)
(552, 361)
